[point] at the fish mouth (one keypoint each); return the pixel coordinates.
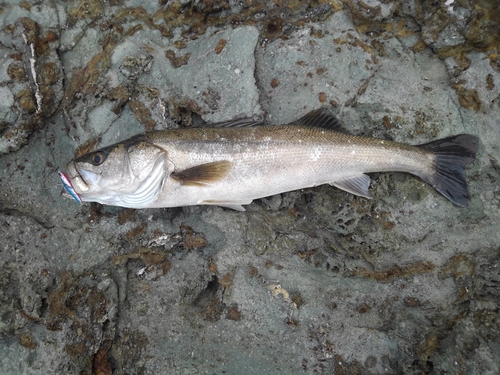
(77, 179)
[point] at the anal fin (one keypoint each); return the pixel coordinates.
(357, 185)
(203, 174)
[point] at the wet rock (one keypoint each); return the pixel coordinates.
(311, 281)
(32, 78)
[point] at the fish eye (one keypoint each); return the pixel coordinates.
(97, 158)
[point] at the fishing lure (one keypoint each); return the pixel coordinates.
(69, 187)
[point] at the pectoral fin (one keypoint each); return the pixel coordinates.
(203, 174)
(357, 185)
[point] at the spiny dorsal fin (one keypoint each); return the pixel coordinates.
(203, 174)
(238, 123)
(321, 118)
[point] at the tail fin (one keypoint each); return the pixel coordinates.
(451, 156)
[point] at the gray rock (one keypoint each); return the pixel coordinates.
(313, 281)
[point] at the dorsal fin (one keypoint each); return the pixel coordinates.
(321, 118)
(238, 123)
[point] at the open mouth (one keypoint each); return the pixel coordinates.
(68, 186)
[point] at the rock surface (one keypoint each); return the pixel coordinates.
(314, 281)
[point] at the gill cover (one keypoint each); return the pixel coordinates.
(149, 187)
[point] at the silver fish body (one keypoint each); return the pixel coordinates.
(231, 166)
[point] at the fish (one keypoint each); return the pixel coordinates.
(233, 163)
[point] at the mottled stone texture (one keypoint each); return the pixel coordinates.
(315, 281)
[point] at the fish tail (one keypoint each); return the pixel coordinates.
(451, 156)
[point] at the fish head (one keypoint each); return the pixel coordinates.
(127, 174)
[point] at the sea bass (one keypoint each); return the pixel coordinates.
(231, 164)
